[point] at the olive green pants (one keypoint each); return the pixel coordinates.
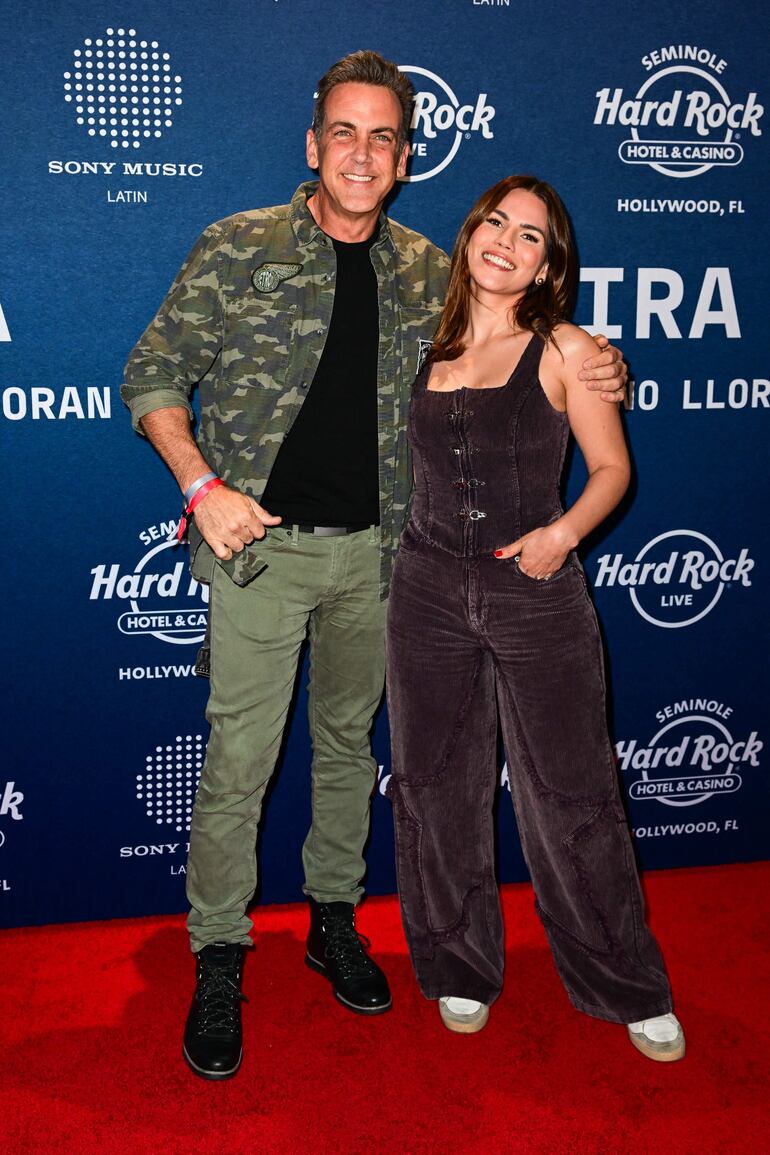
(325, 589)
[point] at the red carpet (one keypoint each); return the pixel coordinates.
(93, 1017)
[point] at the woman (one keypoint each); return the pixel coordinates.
(489, 611)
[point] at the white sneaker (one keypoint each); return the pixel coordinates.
(465, 1016)
(661, 1038)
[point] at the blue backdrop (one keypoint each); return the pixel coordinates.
(130, 127)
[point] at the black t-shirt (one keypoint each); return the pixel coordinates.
(326, 471)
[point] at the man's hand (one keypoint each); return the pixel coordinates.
(606, 371)
(230, 520)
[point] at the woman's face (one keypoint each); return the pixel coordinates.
(506, 252)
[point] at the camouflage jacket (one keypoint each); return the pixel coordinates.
(246, 321)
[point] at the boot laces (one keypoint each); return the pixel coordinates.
(218, 996)
(345, 945)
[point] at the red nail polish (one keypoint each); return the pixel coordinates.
(498, 553)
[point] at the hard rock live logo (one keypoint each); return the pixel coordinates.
(440, 122)
(686, 117)
(677, 578)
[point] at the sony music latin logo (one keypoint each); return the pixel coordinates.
(685, 117)
(696, 753)
(677, 578)
(165, 788)
(167, 784)
(125, 94)
(122, 88)
(440, 122)
(156, 596)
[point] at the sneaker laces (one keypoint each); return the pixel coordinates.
(343, 943)
(218, 995)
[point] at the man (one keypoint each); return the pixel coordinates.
(302, 325)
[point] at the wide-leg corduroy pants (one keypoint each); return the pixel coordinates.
(466, 638)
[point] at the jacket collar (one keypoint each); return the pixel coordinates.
(308, 232)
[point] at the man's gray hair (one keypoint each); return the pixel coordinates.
(366, 67)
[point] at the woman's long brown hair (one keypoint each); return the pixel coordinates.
(543, 306)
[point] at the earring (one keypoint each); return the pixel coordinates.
(539, 280)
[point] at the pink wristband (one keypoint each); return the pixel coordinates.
(197, 499)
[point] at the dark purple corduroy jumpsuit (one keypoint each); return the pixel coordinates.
(468, 635)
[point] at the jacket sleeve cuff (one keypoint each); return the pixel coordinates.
(145, 403)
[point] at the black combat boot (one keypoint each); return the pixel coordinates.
(213, 1037)
(336, 951)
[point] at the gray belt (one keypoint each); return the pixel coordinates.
(326, 530)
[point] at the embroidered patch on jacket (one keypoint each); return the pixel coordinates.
(267, 278)
(423, 349)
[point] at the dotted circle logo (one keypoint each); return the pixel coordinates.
(169, 781)
(122, 89)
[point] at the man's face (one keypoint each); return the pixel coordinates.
(357, 154)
